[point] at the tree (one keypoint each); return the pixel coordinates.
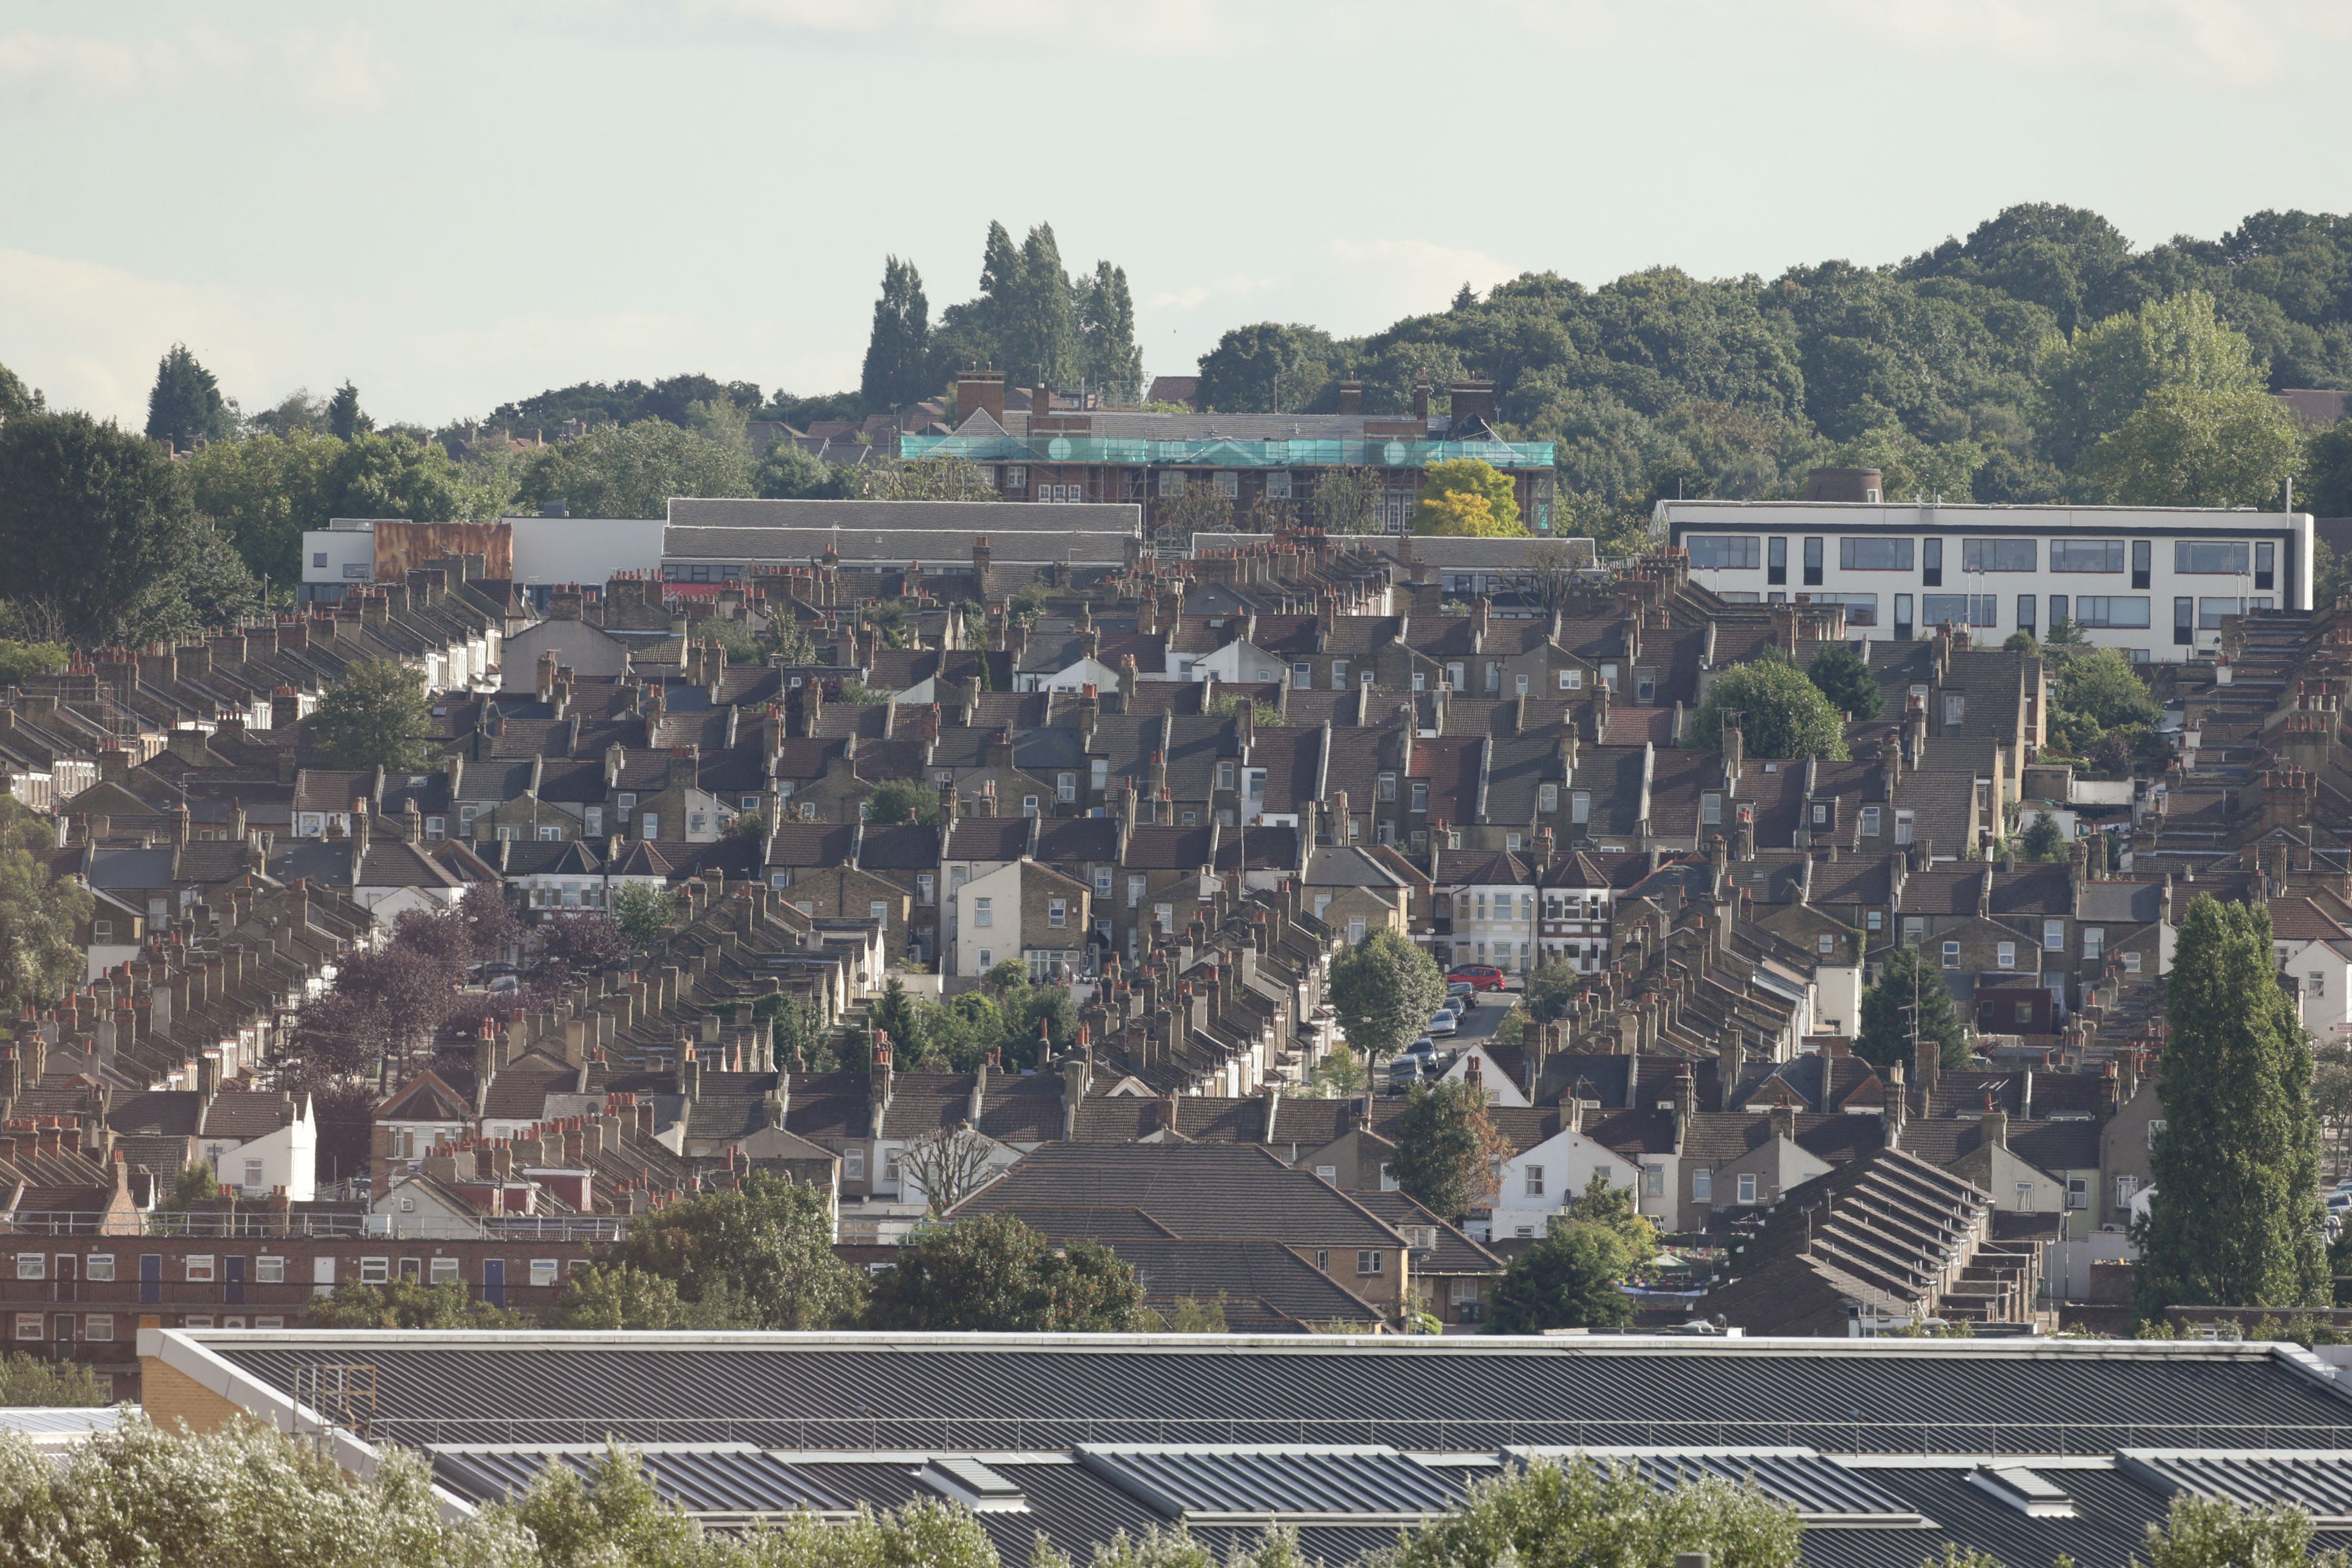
(1781, 714)
(40, 913)
(1567, 1279)
(20, 661)
(1844, 677)
(344, 419)
(642, 913)
(1586, 1514)
(406, 1304)
(614, 1296)
(1446, 503)
(2100, 684)
(2190, 446)
(902, 800)
(2109, 370)
(899, 369)
(1266, 367)
(894, 1013)
(30, 1381)
(788, 473)
(1447, 1147)
(2219, 1533)
(1200, 507)
(185, 405)
(1905, 982)
(947, 1165)
(376, 716)
(1110, 359)
(918, 479)
(1384, 992)
(1549, 575)
(1347, 500)
(994, 1274)
(766, 1248)
(580, 943)
(2325, 489)
(15, 397)
(2043, 839)
(1041, 326)
(2235, 1219)
(94, 525)
(633, 470)
(216, 590)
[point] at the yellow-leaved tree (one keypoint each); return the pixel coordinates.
(1466, 498)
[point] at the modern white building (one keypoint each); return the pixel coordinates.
(591, 550)
(336, 556)
(2154, 582)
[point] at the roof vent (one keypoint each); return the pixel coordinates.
(2028, 1491)
(974, 1485)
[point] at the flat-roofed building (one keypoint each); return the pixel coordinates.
(2155, 582)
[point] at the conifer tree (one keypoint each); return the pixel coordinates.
(1907, 981)
(899, 369)
(344, 419)
(186, 402)
(2235, 1216)
(1113, 364)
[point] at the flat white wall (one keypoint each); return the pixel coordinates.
(2161, 529)
(338, 555)
(583, 549)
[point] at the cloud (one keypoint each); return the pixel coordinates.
(1415, 274)
(338, 69)
(1188, 29)
(2231, 43)
(1193, 296)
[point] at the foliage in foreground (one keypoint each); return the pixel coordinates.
(1583, 1515)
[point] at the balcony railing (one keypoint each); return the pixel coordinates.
(261, 1223)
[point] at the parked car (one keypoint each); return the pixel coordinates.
(1417, 1065)
(1486, 977)
(1461, 991)
(1440, 1023)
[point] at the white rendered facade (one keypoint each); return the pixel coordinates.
(2152, 581)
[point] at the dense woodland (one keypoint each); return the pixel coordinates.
(2043, 357)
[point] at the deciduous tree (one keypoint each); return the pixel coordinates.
(1450, 490)
(1585, 1515)
(991, 1273)
(2235, 1219)
(1384, 992)
(1447, 1147)
(2193, 447)
(642, 913)
(1571, 1278)
(94, 526)
(766, 1246)
(1781, 714)
(376, 716)
(40, 913)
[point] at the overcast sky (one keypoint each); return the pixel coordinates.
(456, 205)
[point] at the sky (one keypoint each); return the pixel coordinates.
(456, 205)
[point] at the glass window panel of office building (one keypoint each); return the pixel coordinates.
(1999, 554)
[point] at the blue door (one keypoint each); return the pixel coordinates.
(151, 1276)
(494, 1281)
(234, 1280)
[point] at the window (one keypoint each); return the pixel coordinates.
(2265, 563)
(2094, 942)
(1165, 917)
(1277, 485)
(925, 887)
(1654, 1181)
(1903, 821)
(1777, 560)
(99, 1326)
(1748, 1187)
(1951, 955)
(317, 558)
(1226, 775)
(1571, 680)
(1548, 798)
(32, 1266)
(2210, 611)
(1579, 806)
(29, 1325)
(1724, 552)
(1915, 927)
(2209, 558)
(1302, 677)
(2131, 962)
(1171, 482)
(983, 911)
(1869, 554)
(1956, 707)
(1702, 1185)
(1828, 944)
(2057, 610)
(1253, 783)
(2025, 613)
(2097, 611)
(1420, 796)
(1339, 675)
(1963, 609)
(1903, 622)
(2004, 955)
(1876, 919)
(2319, 985)
(543, 1271)
(442, 1271)
(1710, 810)
(1999, 554)
(1813, 564)
(200, 1267)
(878, 912)
(2155, 1130)
(2087, 554)
(269, 1270)
(1931, 564)
(1368, 1261)
(1028, 805)
(1454, 677)
(2184, 621)
(1323, 1259)
(1519, 685)
(1058, 913)
(2053, 936)
(2126, 1187)
(852, 1164)
(649, 825)
(98, 1266)
(1870, 821)
(1535, 1181)
(1356, 930)
(1861, 609)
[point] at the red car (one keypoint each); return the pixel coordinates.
(1482, 977)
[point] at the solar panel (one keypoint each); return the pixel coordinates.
(1206, 1486)
(1822, 1491)
(2318, 1481)
(732, 1480)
